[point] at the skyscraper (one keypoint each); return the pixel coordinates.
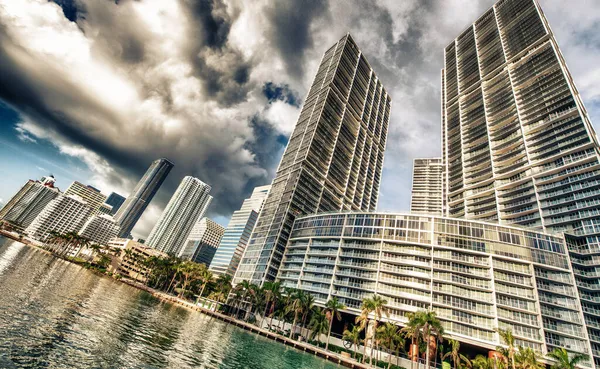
(519, 145)
(63, 214)
(202, 243)
(29, 202)
(426, 194)
(92, 196)
(100, 229)
(132, 209)
(237, 233)
(333, 160)
(187, 205)
(115, 200)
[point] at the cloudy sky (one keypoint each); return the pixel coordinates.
(94, 90)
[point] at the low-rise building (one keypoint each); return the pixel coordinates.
(130, 261)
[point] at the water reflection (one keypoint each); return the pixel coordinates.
(54, 314)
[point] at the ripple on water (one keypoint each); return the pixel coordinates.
(54, 314)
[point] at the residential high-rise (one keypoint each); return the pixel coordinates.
(518, 142)
(63, 214)
(100, 229)
(426, 194)
(333, 159)
(29, 202)
(237, 233)
(203, 241)
(115, 200)
(133, 208)
(89, 194)
(187, 205)
(105, 209)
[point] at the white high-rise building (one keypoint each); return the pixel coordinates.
(237, 233)
(89, 194)
(426, 194)
(188, 204)
(203, 241)
(29, 202)
(63, 214)
(100, 229)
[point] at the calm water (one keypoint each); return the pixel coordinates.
(54, 314)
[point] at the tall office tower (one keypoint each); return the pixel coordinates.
(520, 147)
(333, 160)
(115, 200)
(187, 205)
(63, 214)
(203, 241)
(426, 194)
(133, 208)
(89, 194)
(28, 203)
(100, 229)
(237, 233)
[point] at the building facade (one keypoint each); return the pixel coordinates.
(188, 204)
(518, 142)
(63, 214)
(333, 160)
(426, 194)
(100, 229)
(115, 201)
(92, 196)
(128, 262)
(235, 239)
(476, 276)
(133, 208)
(201, 245)
(28, 203)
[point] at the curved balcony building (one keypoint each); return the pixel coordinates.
(476, 276)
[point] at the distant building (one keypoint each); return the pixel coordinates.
(187, 205)
(29, 202)
(100, 229)
(426, 196)
(115, 201)
(133, 208)
(237, 233)
(63, 214)
(129, 263)
(92, 196)
(203, 241)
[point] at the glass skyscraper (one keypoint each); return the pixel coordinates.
(518, 143)
(333, 160)
(133, 208)
(186, 207)
(115, 200)
(238, 231)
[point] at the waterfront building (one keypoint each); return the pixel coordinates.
(100, 229)
(129, 264)
(203, 241)
(29, 202)
(64, 214)
(426, 194)
(333, 160)
(476, 276)
(188, 204)
(133, 208)
(235, 239)
(115, 201)
(518, 142)
(92, 196)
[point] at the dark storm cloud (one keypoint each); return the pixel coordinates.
(291, 30)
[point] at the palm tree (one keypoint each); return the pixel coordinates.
(455, 355)
(363, 321)
(271, 290)
(412, 330)
(295, 306)
(528, 359)
(353, 336)
(388, 333)
(332, 308)
(307, 305)
(205, 276)
(318, 323)
(509, 341)
(379, 308)
(430, 326)
(482, 362)
(246, 287)
(564, 361)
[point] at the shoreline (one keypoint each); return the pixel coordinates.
(163, 297)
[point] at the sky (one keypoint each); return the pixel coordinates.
(95, 90)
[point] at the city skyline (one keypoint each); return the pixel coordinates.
(399, 35)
